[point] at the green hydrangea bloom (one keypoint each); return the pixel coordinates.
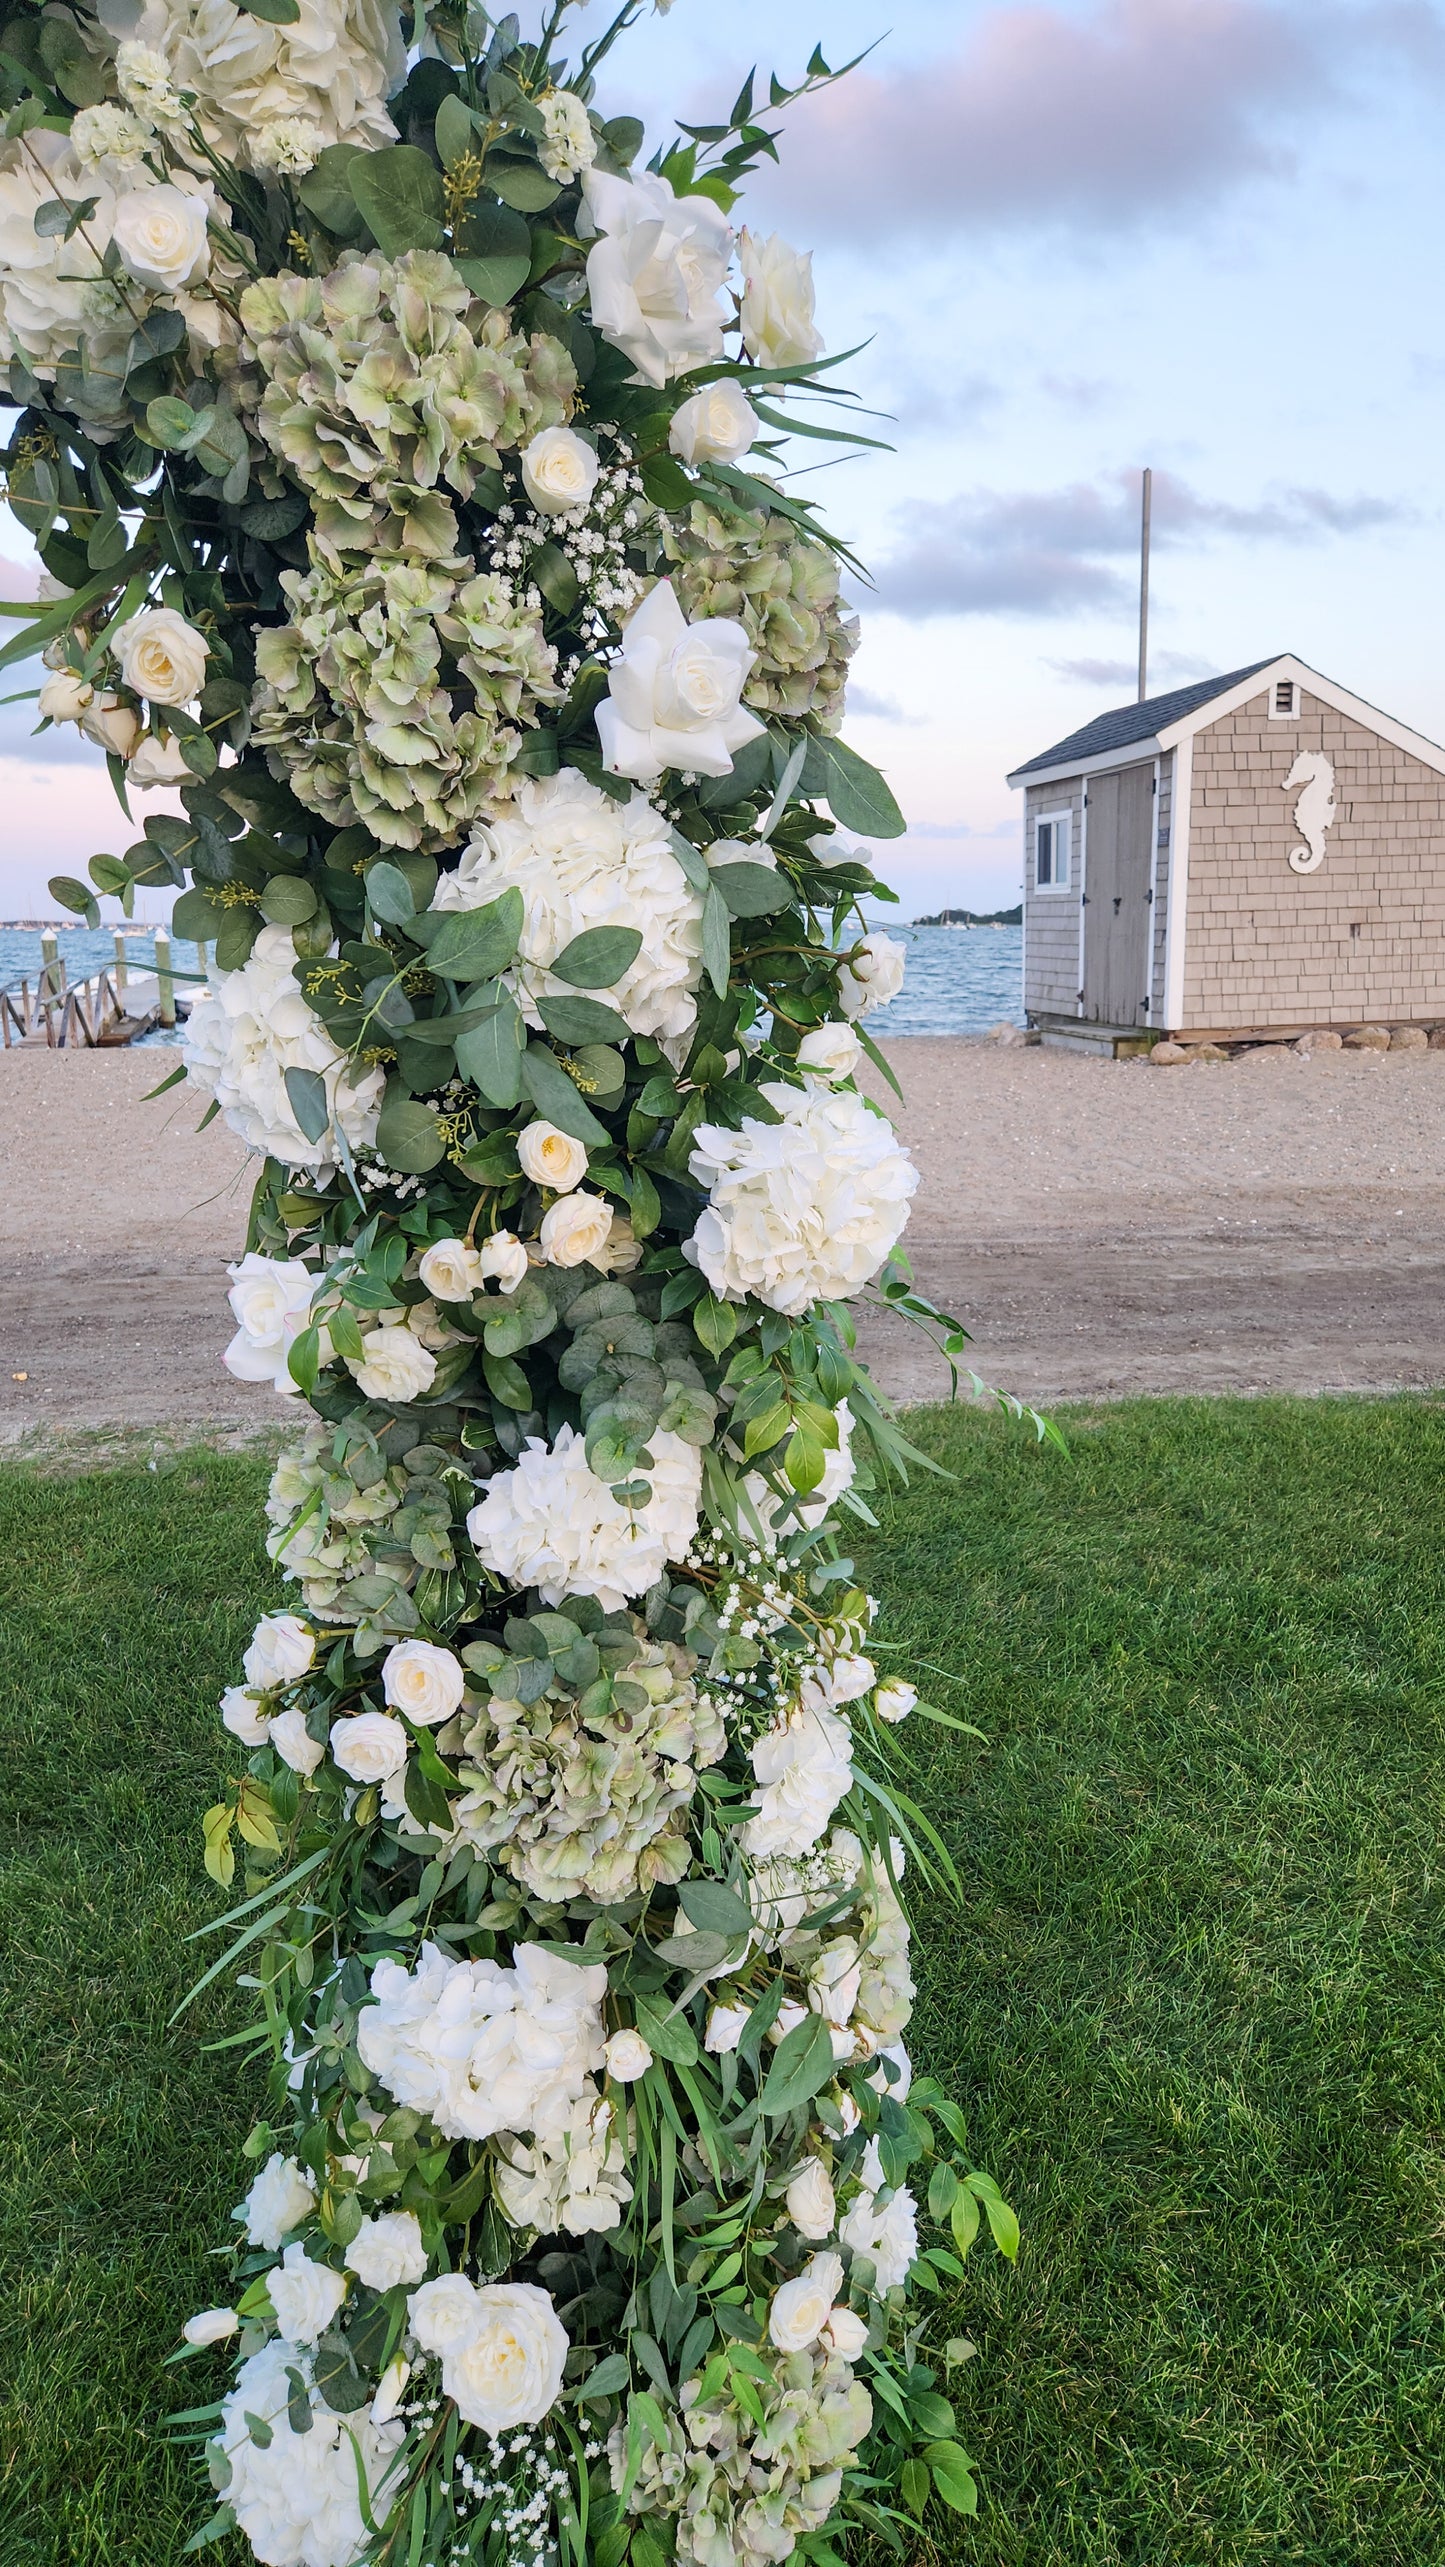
(585, 1796)
(784, 591)
(388, 377)
(394, 694)
(356, 1535)
(741, 2497)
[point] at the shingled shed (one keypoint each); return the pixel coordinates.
(1251, 857)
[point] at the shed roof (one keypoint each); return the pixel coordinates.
(1130, 722)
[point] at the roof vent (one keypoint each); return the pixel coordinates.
(1284, 703)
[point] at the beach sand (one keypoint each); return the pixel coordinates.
(1100, 1227)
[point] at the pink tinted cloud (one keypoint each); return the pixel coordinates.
(1136, 110)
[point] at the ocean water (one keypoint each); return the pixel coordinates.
(959, 980)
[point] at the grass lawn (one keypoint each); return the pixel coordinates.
(1192, 2005)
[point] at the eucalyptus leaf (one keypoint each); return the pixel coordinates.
(555, 1097)
(490, 1055)
(857, 794)
(598, 957)
(801, 2064)
(389, 894)
(306, 1092)
(751, 890)
(581, 1020)
(408, 1135)
(476, 944)
(399, 192)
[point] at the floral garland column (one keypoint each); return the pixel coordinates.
(403, 460)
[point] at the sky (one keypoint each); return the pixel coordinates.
(1068, 238)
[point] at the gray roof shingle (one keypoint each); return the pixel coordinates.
(1130, 722)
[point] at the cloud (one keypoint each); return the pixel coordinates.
(1178, 666)
(879, 708)
(1133, 111)
(1052, 552)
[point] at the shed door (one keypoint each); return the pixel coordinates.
(1117, 910)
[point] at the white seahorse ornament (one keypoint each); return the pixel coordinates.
(1315, 810)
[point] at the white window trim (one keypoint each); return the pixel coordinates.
(1296, 706)
(1047, 890)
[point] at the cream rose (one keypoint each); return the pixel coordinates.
(210, 2326)
(725, 2028)
(369, 1746)
(872, 975)
(395, 1367)
(64, 697)
(278, 2201)
(157, 762)
(160, 233)
(894, 1700)
(551, 1158)
(811, 2206)
(294, 1743)
(675, 693)
(504, 1260)
(281, 1649)
(777, 302)
(655, 273)
(502, 2354)
(846, 2334)
(451, 1270)
(387, 2250)
(716, 425)
(424, 1681)
(304, 2295)
(390, 2389)
(802, 2308)
(161, 656)
(834, 1051)
(112, 725)
(270, 1300)
(575, 1231)
(241, 1713)
(559, 471)
(627, 2056)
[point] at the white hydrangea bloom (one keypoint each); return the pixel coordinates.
(482, 2048)
(552, 1524)
(889, 2234)
(802, 1210)
(296, 2500)
(575, 2179)
(246, 1032)
(804, 1768)
(45, 279)
(581, 861)
(333, 67)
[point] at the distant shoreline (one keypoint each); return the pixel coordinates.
(973, 918)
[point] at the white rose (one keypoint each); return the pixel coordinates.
(369, 1746)
(894, 1700)
(504, 1258)
(157, 762)
(835, 849)
(451, 1270)
(725, 2028)
(390, 2389)
(872, 975)
(620, 1251)
(627, 2056)
(160, 233)
(675, 692)
(294, 1743)
(270, 1300)
(834, 1051)
(575, 1230)
(64, 696)
(850, 1678)
(210, 2326)
(243, 1716)
(550, 1157)
(387, 2251)
(161, 656)
(716, 425)
(568, 143)
(424, 1681)
(305, 2296)
(786, 2020)
(282, 1648)
(505, 2368)
(846, 2334)
(811, 2206)
(656, 271)
(443, 2313)
(559, 471)
(801, 2308)
(279, 2200)
(877, 2076)
(777, 303)
(395, 1367)
(113, 726)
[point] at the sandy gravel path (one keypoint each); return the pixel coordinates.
(1102, 1227)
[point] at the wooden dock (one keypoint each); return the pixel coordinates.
(110, 1007)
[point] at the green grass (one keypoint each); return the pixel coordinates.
(1192, 2003)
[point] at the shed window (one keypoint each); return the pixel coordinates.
(1284, 702)
(1051, 852)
